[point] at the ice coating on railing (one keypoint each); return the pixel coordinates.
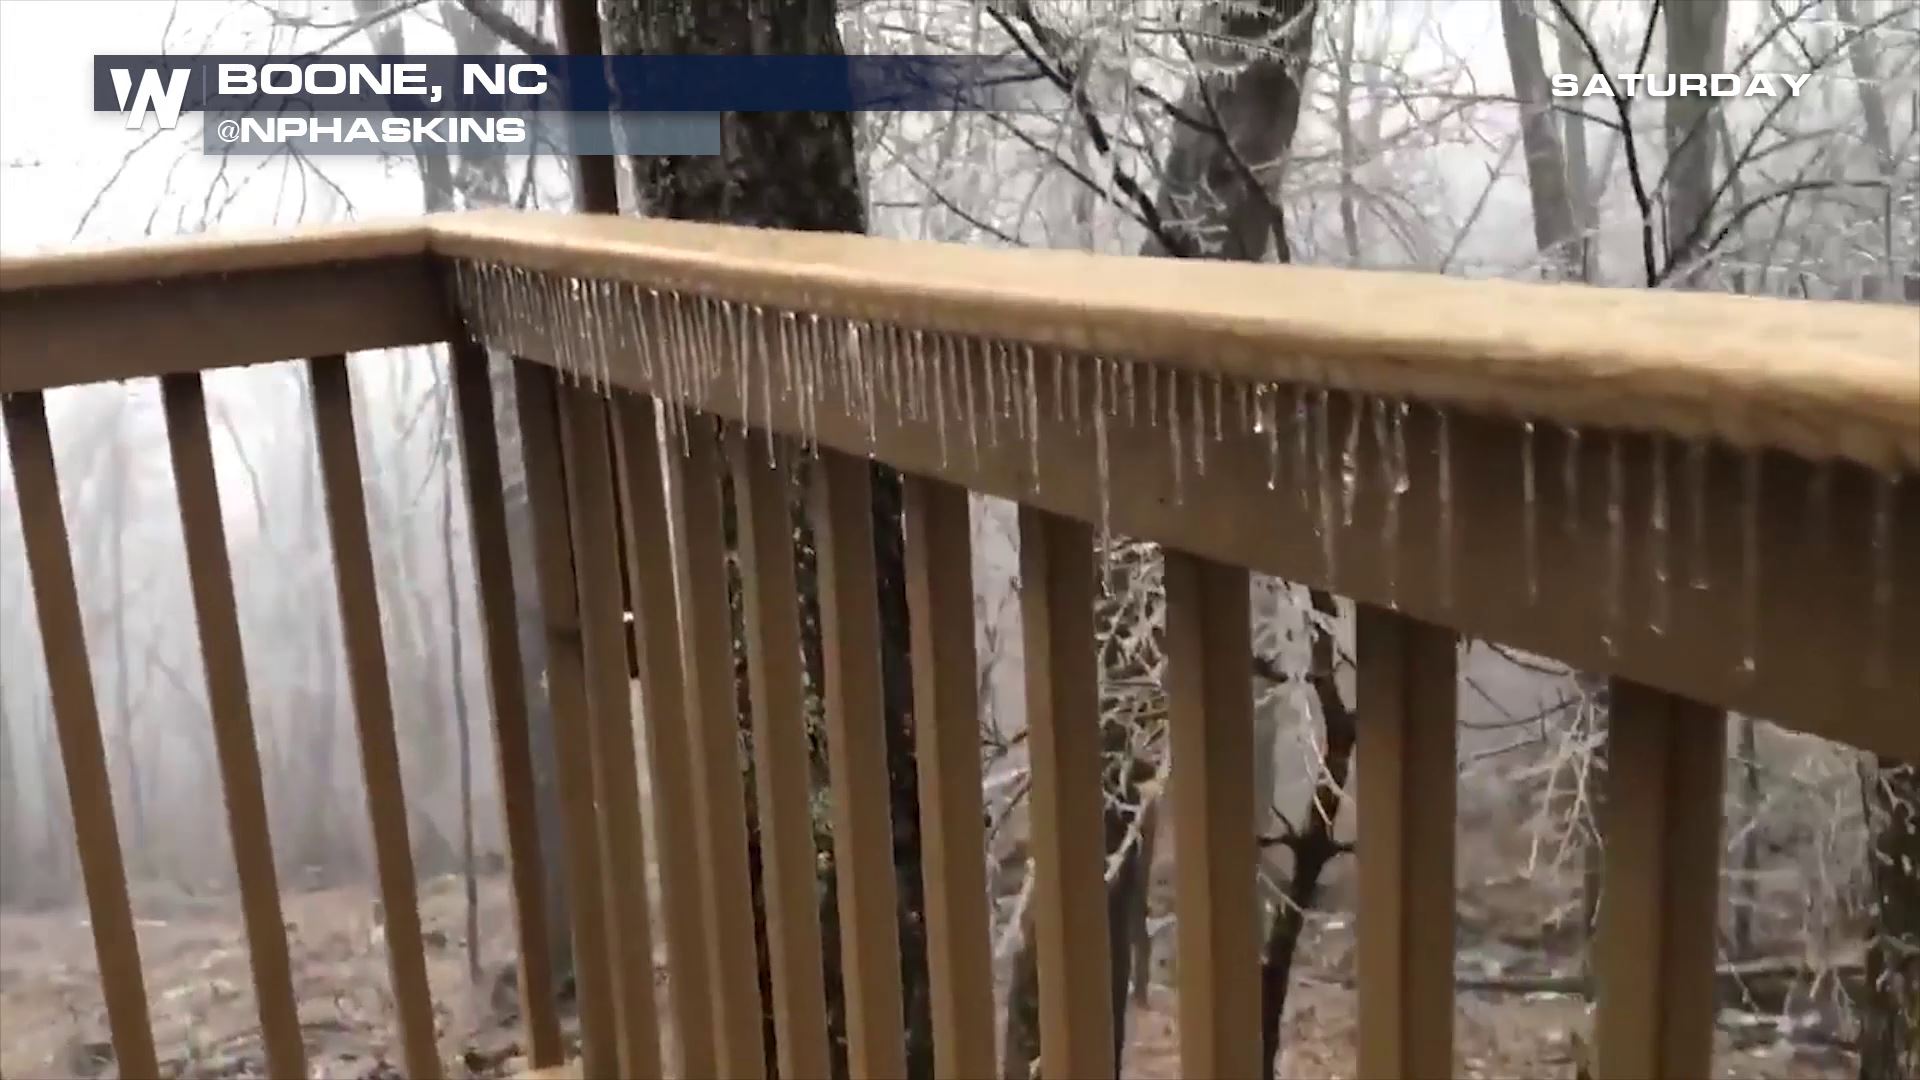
(694, 349)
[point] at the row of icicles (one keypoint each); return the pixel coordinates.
(691, 347)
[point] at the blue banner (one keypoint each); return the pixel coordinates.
(580, 84)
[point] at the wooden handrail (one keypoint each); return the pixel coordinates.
(1701, 496)
(1520, 372)
(1817, 379)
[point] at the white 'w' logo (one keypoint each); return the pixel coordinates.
(165, 100)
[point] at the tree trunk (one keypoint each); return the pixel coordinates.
(1554, 230)
(1582, 184)
(1696, 42)
(798, 170)
(1218, 196)
(462, 732)
(1890, 1016)
(122, 663)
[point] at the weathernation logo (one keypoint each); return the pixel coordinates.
(163, 92)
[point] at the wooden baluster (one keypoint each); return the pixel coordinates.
(535, 391)
(946, 696)
(230, 707)
(1065, 802)
(657, 625)
(1210, 727)
(83, 755)
(507, 696)
(707, 658)
(588, 466)
(1408, 704)
(1654, 958)
(842, 507)
(789, 861)
(373, 708)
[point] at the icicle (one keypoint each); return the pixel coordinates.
(816, 370)
(1302, 476)
(609, 328)
(1819, 501)
(1072, 364)
(1033, 419)
(941, 374)
(1059, 391)
(989, 363)
(779, 332)
(894, 370)
(1886, 493)
(1246, 413)
(1173, 437)
(1399, 484)
(1200, 429)
(1100, 468)
(1219, 431)
(1530, 524)
(1131, 399)
(664, 308)
(1616, 544)
(1443, 439)
(868, 363)
(700, 342)
(795, 341)
(763, 349)
(964, 366)
(1749, 561)
(1350, 461)
(1657, 611)
(1269, 425)
(1323, 463)
(1697, 465)
(1570, 478)
(742, 359)
(1153, 396)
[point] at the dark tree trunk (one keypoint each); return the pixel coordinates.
(1553, 206)
(1890, 1016)
(798, 171)
(1696, 43)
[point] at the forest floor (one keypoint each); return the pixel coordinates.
(198, 983)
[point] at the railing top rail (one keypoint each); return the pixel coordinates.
(1818, 379)
(231, 253)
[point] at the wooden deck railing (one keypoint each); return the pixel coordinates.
(1708, 498)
